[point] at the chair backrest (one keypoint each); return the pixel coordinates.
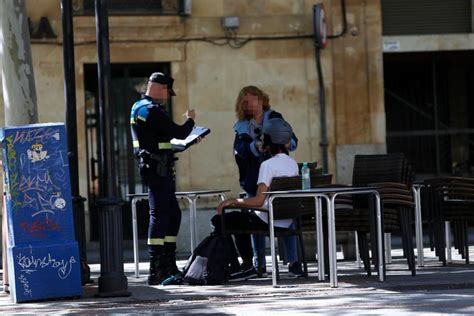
(294, 182)
(286, 183)
(289, 208)
(282, 207)
(313, 168)
(369, 169)
(320, 179)
(445, 196)
(380, 168)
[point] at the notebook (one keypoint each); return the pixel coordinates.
(183, 144)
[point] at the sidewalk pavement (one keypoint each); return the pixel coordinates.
(435, 289)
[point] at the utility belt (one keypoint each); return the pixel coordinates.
(160, 163)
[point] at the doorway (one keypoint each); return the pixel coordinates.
(429, 110)
(128, 82)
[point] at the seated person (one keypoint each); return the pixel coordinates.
(276, 135)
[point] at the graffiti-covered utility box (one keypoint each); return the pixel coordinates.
(43, 255)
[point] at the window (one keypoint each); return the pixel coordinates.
(429, 113)
(411, 17)
(135, 7)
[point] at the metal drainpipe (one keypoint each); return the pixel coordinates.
(322, 111)
(318, 45)
(318, 27)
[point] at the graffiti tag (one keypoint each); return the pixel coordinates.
(30, 264)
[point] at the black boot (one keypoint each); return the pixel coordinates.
(158, 270)
(171, 263)
(176, 276)
(169, 259)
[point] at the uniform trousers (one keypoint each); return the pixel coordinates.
(165, 215)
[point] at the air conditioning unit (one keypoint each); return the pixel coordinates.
(187, 6)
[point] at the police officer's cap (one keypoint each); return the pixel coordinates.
(161, 78)
(278, 130)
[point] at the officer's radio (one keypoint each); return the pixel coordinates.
(143, 157)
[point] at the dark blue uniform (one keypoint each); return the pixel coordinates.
(152, 130)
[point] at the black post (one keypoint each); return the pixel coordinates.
(112, 280)
(71, 127)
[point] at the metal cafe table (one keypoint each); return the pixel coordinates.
(191, 196)
(329, 195)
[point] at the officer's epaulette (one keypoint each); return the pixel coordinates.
(140, 110)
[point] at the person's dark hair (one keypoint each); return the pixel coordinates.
(272, 148)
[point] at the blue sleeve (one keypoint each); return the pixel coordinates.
(244, 144)
(293, 143)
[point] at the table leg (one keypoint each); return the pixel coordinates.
(332, 241)
(447, 228)
(195, 221)
(135, 237)
(388, 247)
(192, 199)
(418, 227)
(319, 238)
(272, 242)
(381, 258)
(192, 220)
(357, 249)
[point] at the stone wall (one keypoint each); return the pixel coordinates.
(208, 77)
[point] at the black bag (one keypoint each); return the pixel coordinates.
(209, 263)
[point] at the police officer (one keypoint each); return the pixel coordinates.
(152, 129)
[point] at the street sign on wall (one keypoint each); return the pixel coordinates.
(43, 255)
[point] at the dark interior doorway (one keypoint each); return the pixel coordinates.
(429, 100)
(128, 82)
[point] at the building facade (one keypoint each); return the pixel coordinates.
(272, 47)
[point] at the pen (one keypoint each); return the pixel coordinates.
(184, 114)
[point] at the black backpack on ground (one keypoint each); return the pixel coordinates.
(209, 263)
